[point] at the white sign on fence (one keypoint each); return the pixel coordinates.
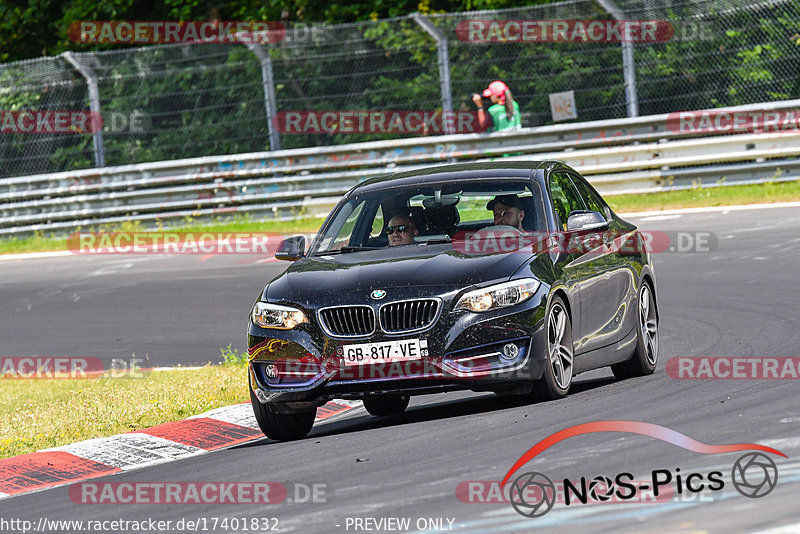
(562, 105)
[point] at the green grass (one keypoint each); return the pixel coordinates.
(731, 195)
(37, 414)
(44, 243)
(688, 198)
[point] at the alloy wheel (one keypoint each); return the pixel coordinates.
(648, 323)
(559, 344)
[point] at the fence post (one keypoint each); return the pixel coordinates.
(628, 64)
(94, 105)
(444, 63)
(269, 88)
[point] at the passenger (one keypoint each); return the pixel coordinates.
(401, 230)
(508, 210)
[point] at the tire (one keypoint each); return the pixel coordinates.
(380, 406)
(645, 357)
(558, 370)
(281, 426)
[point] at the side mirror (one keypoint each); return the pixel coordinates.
(581, 220)
(291, 249)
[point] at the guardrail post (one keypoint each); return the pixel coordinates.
(269, 90)
(628, 65)
(442, 52)
(94, 104)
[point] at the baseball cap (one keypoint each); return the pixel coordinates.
(496, 88)
(512, 201)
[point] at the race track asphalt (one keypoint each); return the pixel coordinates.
(739, 300)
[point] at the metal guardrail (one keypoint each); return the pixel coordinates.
(618, 156)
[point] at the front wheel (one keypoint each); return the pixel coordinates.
(557, 377)
(645, 357)
(282, 426)
(379, 406)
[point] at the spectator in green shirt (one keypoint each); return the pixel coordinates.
(504, 112)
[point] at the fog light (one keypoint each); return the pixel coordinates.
(510, 351)
(271, 371)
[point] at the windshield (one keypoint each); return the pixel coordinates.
(430, 214)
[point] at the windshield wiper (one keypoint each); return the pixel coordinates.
(345, 249)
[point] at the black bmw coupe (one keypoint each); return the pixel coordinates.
(508, 277)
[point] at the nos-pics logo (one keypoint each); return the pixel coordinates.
(533, 494)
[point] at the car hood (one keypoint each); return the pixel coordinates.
(389, 268)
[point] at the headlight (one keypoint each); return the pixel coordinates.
(268, 315)
(498, 296)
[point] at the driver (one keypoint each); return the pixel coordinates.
(507, 210)
(401, 230)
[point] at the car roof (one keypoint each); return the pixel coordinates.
(464, 171)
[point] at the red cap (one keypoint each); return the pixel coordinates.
(496, 88)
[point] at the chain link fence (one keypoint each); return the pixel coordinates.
(166, 102)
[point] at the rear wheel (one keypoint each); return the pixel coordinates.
(645, 357)
(379, 406)
(282, 426)
(557, 377)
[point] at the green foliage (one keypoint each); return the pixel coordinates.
(231, 357)
(208, 99)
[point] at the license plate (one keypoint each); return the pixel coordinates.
(385, 352)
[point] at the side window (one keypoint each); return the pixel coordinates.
(590, 198)
(345, 222)
(377, 223)
(565, 197)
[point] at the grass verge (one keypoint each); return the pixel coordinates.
(731, 195)
(44, 413)
(40, 242)
(689, 198)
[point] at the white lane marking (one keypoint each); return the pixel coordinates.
(662, 217)
(790, 420)
(4, 495)
(111, 269)
(786, 529)
(130, 451)
(712, 209)
(34, 255)
(760, 258)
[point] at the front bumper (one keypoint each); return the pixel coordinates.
(488, 351)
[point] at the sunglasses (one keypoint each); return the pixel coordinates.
(402, 228)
